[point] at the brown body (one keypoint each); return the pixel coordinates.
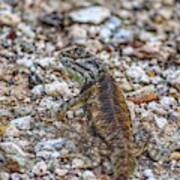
(111, 119)
(109, 114)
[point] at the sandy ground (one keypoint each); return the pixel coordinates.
(140, 39)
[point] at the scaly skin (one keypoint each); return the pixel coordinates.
(108, 112)
(107, 109)
(110, 117)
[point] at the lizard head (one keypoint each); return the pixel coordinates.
(81, 61)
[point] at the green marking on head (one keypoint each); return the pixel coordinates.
(83, 69)
(76, 76)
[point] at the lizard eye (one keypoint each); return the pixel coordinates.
(65, 62)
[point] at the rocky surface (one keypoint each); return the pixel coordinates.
(140, 39)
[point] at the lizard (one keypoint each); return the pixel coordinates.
(108, 113)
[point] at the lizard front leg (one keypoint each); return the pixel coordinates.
(78, 101)
(72, 103)
(87, 148)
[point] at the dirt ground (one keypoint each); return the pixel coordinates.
(140, 39)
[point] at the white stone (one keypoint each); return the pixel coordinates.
(61, 172)
(79, 112)
(57, 88)
(9, 18)
(46, 61)
(93, 14)
(15, 153)
(175, 116)
(40, 169)
(5, 112)
(50, 144)
(70, 114)
(128, 50)
(47, 154)
(148, 173)
(88, 175)
(77, 163)
(173, 77)
(112, 23)
(74, 178)
(157, 108)
(12, 148)
(105, 33)
(21, 111)
(157, 80)
(138, 74)
(18, 176)
(78, 34)
(22, 123)
(167, 102)
(122, 36)
(26, 30)
(38, 90)
(12, 132)
(125, 85)
(25, 61)
(160, 122)
(151, 178)
(4, 176)
(47, 103)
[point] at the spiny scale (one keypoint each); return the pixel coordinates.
(111, 119)
(108, 111)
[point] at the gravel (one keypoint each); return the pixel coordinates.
(93, 14)
(22, 123)
(138, 39)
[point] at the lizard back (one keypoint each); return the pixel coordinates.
(111, 119)
(108, 110)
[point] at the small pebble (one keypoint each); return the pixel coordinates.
(22, 110)
(57, 88)
(4, 176)
(167, 102)
(45, 62)
(137, 74)
(77, 34)
(25, 61)
(160, 122)
(77, 163)
(61, 172)
(128, 51)
(16, 176)
(50, 144)
(8, 18)
(26, 30)
(148, 173)
(93, 14)
(22, 123)
(122, 36)
(173, 77)
(88, 175)
(112, 23)
(157, 108)
(38, 90)
(12, 131)
(105, 34)
(40, 169)
(47, 154)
